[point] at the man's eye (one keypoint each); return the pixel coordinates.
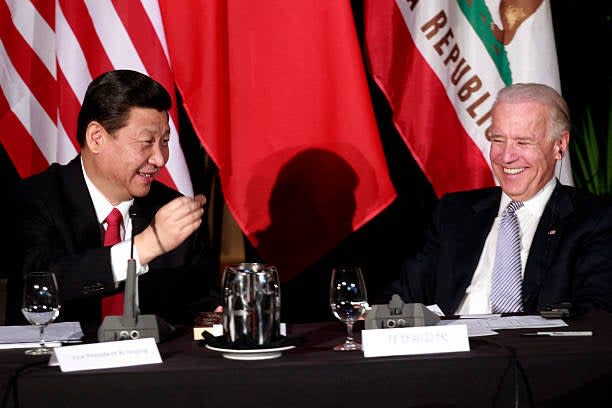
(526, 142)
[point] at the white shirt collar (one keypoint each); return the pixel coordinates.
(535, 205)
(102, 206)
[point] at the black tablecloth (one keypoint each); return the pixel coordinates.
(538, 371)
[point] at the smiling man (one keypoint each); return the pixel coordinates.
(68, 228)
(527, 244)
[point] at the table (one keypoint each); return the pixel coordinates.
(537, 371)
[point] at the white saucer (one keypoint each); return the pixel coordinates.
(252, 354)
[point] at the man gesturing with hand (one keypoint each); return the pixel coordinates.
(78, 219)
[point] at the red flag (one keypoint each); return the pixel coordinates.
(277, 93)
(50, 51)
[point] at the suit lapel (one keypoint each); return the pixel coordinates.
(79, 207)
(545, 242)
(87, 232)
(474, 231)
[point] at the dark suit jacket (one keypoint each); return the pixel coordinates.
(570, 258)
(61, 234)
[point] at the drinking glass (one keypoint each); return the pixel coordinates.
(41, 305)
(348, 300)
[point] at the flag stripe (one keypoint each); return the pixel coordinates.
(18, 142)
(80, 24)
(150, 50)
(479, 16)
(26, 63)
(111, 32)
(432, 130)
(41, 39)
(89, 39)
(69, 112)
(27, 109)
(46, 10)
(143, 37)
(70, 56)
(461, 63)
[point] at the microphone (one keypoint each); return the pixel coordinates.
(399, 314)
(133, 325)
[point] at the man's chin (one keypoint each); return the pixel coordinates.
(141, 190)
(513, 189)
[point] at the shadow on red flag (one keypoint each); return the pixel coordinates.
(277, 94)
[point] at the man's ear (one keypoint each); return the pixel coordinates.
(94, 136)
(562, 145)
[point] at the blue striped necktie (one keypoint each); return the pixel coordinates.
(507, 283)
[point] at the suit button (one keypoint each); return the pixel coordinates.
(93, 288)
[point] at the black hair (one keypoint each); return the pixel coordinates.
(110, 96)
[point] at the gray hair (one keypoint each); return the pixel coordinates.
(544, 94)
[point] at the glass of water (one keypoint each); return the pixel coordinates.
(41, 305)
(348, 300)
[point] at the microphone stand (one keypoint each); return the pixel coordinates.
(132, 325)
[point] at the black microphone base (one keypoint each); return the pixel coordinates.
(114, 328)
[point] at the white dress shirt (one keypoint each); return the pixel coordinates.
(120, 253)
(477, 294)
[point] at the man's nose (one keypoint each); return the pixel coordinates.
(509, 152)
(158, 156)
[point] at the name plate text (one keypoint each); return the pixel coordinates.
(414, 340)
(109, 354)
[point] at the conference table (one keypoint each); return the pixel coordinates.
(503, 370)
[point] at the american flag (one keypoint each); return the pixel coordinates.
(50, 50)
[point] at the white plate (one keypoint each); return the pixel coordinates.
(252, 354)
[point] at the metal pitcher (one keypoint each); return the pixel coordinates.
(252, 303)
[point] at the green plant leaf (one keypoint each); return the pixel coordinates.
(593, 170)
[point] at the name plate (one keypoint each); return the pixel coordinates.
(414, 340)
(109, 354)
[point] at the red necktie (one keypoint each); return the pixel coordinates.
(113, 305)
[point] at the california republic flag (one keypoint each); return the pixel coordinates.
(440, 65)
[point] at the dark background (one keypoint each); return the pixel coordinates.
(583, 37)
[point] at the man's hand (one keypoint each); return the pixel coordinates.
(172, 225)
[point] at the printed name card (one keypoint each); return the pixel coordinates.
(414, 340)
(110, 354)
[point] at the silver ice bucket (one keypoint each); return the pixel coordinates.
(252, 303)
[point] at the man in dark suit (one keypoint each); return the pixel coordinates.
(565, 235)
(123, 134)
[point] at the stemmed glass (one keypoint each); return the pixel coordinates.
(348, 300)
(41, 305)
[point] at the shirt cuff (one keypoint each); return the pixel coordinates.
(120, 254)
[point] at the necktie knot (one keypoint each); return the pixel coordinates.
(513, 206)
(114, 217)
(113, 228)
